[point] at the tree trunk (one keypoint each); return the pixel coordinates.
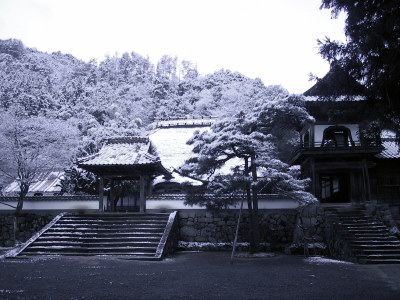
(255, 218)
(254, 232)
(23, 190)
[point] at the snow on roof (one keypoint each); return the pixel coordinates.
(172, 148)
(184, 122)
(391, 149)
(176, 178)
(389, 143)
(171, 144)
(336, 98)
(42, 183)
(122, 151)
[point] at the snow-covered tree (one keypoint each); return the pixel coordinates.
(29, 146)
(248, 143)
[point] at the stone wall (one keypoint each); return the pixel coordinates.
(27, 224)
(276, 226)
(384, 214)
(310, 231)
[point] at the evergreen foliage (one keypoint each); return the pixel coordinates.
(240, 155)
(371, 53)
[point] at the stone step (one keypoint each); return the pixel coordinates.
(365, 232)
(392, 241)
(102, 222)
(135, 235)
(354, 219)
(107, 226)
(88, 230)
(380, 261)
(361, 224)
(87, 224)
(363, 248)
(95, 244)
(378, 256)
(371, 235)
(115, 217)
(144, 238)
(61, 249)
(128, 255)
(394, 251)
(368, 238)
(371, 229)
(101, 235)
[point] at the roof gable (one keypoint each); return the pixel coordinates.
(336, 84)
(122, 151)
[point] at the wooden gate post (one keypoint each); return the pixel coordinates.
(142, 195)
(101, 194)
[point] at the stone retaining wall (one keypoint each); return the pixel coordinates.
(28, 224)
(310, 231)
(383, 213)
(276, 226)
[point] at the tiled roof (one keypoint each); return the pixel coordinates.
(42, 183)
(184, 122)
(336, 82)
(167, 197)
(124, 151)
(391, 149)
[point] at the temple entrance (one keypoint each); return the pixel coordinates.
(335, 188)
(127, 163)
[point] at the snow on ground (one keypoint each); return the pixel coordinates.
(322, 260)
(255, 255)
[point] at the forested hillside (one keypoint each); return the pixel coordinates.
(118, 96)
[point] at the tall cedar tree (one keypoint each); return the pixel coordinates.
(371, 53)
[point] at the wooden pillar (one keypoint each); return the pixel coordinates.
(101, 194)
(314, 183)
(354, 187)
(142, 195)
(112, 202)
(366, 180)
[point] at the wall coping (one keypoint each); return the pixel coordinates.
(51, 198)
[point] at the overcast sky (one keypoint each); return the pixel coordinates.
(274, 40)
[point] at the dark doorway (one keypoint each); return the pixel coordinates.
(335, 188)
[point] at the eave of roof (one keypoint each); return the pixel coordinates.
(126, 151)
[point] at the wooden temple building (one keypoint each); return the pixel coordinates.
(130, 169)
(344, 165)
(124, 159)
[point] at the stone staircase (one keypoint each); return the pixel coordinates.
(139, 236)
(367, 238)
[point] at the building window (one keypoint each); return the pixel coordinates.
(337, 136)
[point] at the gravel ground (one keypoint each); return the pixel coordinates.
(196, 275)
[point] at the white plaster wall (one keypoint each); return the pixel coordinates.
(179, 204)
(150, 204)
(53, 205)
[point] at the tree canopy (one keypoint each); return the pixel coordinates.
(241, 154)
(30, 146)
(371, 53)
